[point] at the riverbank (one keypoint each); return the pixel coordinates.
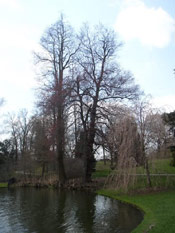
(158, 207)
(52, 182)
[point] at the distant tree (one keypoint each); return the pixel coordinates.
(157, 132)
(169, 119)
(41, 143)
(24, 131)
(19, 126)
(6, 150)
(13, 126)
(6, 159)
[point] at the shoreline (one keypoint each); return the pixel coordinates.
(157, 206)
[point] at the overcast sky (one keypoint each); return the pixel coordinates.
(146, 28)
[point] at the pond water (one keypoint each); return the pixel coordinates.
(50, 211)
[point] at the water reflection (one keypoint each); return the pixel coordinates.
(50, 211)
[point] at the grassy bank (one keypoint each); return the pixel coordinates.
(161, 172)
(159, 209)
(159, 206)
(156, 166)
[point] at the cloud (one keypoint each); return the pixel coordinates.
(14, 4)
(113, 3)
(151, 26)
(19, 36)
(161, 102)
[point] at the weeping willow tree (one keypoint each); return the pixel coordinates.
(129, 155)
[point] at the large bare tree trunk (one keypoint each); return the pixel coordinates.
(98, 81)
(59, 50)
(60, 150)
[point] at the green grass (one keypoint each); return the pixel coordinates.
(162, 166)
(160, 170)
(102, 170)
(158, 166)
(159, 209)
(3, 185)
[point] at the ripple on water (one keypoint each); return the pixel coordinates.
(50, 211)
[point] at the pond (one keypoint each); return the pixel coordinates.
(50, 211)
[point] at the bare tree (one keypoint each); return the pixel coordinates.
(157, 132)
(41, 142)
(20, 128)
(24, 130)
(100, 81)
(129, 152)
(142, 110)
(57, 56)
(13, 126)
(119, 123)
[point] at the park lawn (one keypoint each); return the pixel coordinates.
(157, 166)
(162, 174)
(159, 209)
(162, 166)
(160, 170)
(102, 170)
(3, 185)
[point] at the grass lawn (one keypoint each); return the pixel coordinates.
(157, 166)
(159, 207)
(159, 210)
(3, 185)
(160, 170)
(102, 170)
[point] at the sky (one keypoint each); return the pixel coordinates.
(145, 27)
